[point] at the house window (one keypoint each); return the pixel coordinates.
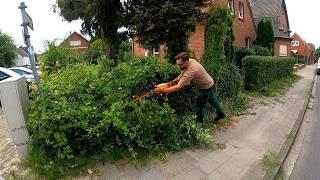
(247, 42)
(146, 53)
(283, 50)
(294, 43)
(230, 5)
(156, 52)
(75, 43)
(241, 10)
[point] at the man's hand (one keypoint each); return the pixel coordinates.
(163, 85)
(159, 90)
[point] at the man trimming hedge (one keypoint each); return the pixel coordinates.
(193, 72)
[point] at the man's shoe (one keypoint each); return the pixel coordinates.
(220, 116)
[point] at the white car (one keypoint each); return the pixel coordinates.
(6, 73)
(27, 73)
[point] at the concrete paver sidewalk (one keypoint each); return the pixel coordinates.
(262, 131)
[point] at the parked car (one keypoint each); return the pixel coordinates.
(6, 73)
(27, 73)
(318, 68)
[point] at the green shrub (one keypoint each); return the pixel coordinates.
(261, 51)
(57, 58)
(301, 61)
(96, 49)
(124, 53)
(81, 113)
(240, 53)
(217, 33)
(260, 71)
(228, 82)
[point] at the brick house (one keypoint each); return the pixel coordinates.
(276, 12)
(243, 30)
(77, 42)
(301, 49)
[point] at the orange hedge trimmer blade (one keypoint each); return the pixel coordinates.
(141, 97)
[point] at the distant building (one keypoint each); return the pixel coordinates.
(301, 49)
(77, 42)
(22, 58)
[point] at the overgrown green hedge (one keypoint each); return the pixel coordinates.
(260, 71)
(240, 53)
(228, 81)
(81, 112)
(57, 58)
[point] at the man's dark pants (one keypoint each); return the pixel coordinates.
(205, 96)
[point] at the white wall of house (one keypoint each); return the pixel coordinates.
(20, 61)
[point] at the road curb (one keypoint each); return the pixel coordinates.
(272, 172)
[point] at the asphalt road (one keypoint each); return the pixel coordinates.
(307, 166)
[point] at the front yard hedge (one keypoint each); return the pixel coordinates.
(260, 71)
(82, 112)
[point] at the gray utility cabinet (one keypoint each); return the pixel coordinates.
(15, 104)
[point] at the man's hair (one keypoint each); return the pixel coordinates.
(184, 56)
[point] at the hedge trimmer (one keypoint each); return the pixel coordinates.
(148, 94)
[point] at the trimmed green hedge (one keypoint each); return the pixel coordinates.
(260, 71)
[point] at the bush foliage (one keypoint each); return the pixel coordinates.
(229, 81)
(7, 50)
(217, 32)
(240, 53)
(81, 112)
(226, 74)
(260, 71)
(57, 58)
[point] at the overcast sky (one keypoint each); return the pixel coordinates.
(303, 18)
(47, 25)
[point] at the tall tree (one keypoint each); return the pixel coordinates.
(218, 37)
(269, 39)
(100, 17)
(167, 22)
(265, 34)
(7, 51)
(317, 52)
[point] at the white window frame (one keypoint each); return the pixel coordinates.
(241, 10)
(146, 53)
(231, 7)
(75, 43)
(156, 52)
(295, 43)
(248, 42)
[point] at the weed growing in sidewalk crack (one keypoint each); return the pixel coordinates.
(291, 134)
(270, 161)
